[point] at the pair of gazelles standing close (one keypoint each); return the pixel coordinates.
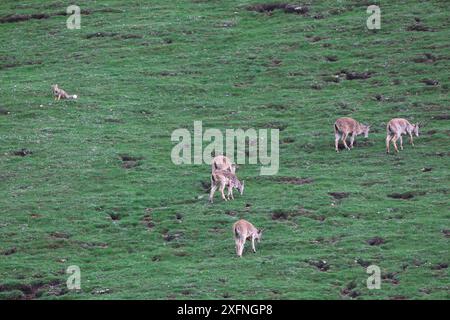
(223, 171)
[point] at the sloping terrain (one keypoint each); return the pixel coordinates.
(91, 183)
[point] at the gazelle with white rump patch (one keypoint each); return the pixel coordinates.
(348, 126)
(396, 128)
(221, 179)
(242, 231)
(222, 163)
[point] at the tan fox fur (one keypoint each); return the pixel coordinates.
(396, 128)
(348, 126)
(61, 94)
(242, 231)
(222, 179)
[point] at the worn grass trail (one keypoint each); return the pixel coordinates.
(143, 228)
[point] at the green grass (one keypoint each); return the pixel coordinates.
(213, 61)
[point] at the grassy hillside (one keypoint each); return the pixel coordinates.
(143, 228)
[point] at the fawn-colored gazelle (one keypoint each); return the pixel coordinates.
(394, 130)
(221, 162)
(223, 178)
(345, 126)
(243, 230)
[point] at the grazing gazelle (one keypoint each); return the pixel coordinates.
(394, 130)
(222, 163)
(222, 179)
(243, 230)
(345, 126)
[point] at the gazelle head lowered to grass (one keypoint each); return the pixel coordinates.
(415, 128)
(240, 186)
(259, 234)
(364, 129)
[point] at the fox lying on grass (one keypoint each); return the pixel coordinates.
(61, 94)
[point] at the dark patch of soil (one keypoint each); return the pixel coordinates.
(425, 58)
(147, 219)
(426, 169)
(376, 241)
(390, 277)
(113, 120)
(418, 26)
(131, 36)
(287, 8)
(430, 82)
(179, 217)
(4, 111)
(172, 236)
(156, 258)
(231, 213)
(406, 195)
(440, 266)
(322, 265)
(35, 290)
(314, 38)
(446, 233)
(60, 235)
(22, 152)
(398, 298)
(280, 215)
(127, 157)
(350, 290)
(332, 58)
(129, 162)
(101, 35)
(339, 195)
(442, 117)
(357, 75)
(181, 254)
(287, 140)
(316, 86)
(115, 216)
(363, 263)
(9, 251)
(93, 245)
(380, 97)
(112, 35)
(275, 62)
(294, 180)
(23, 17)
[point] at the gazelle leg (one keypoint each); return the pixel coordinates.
(222, 188)
(401, 142)
(388, 142)
(337, 136)
(213, 190)
(352, 139)
(344, 137)
(411, 140)
(241, 249)
(253, 244)
(394, 140)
